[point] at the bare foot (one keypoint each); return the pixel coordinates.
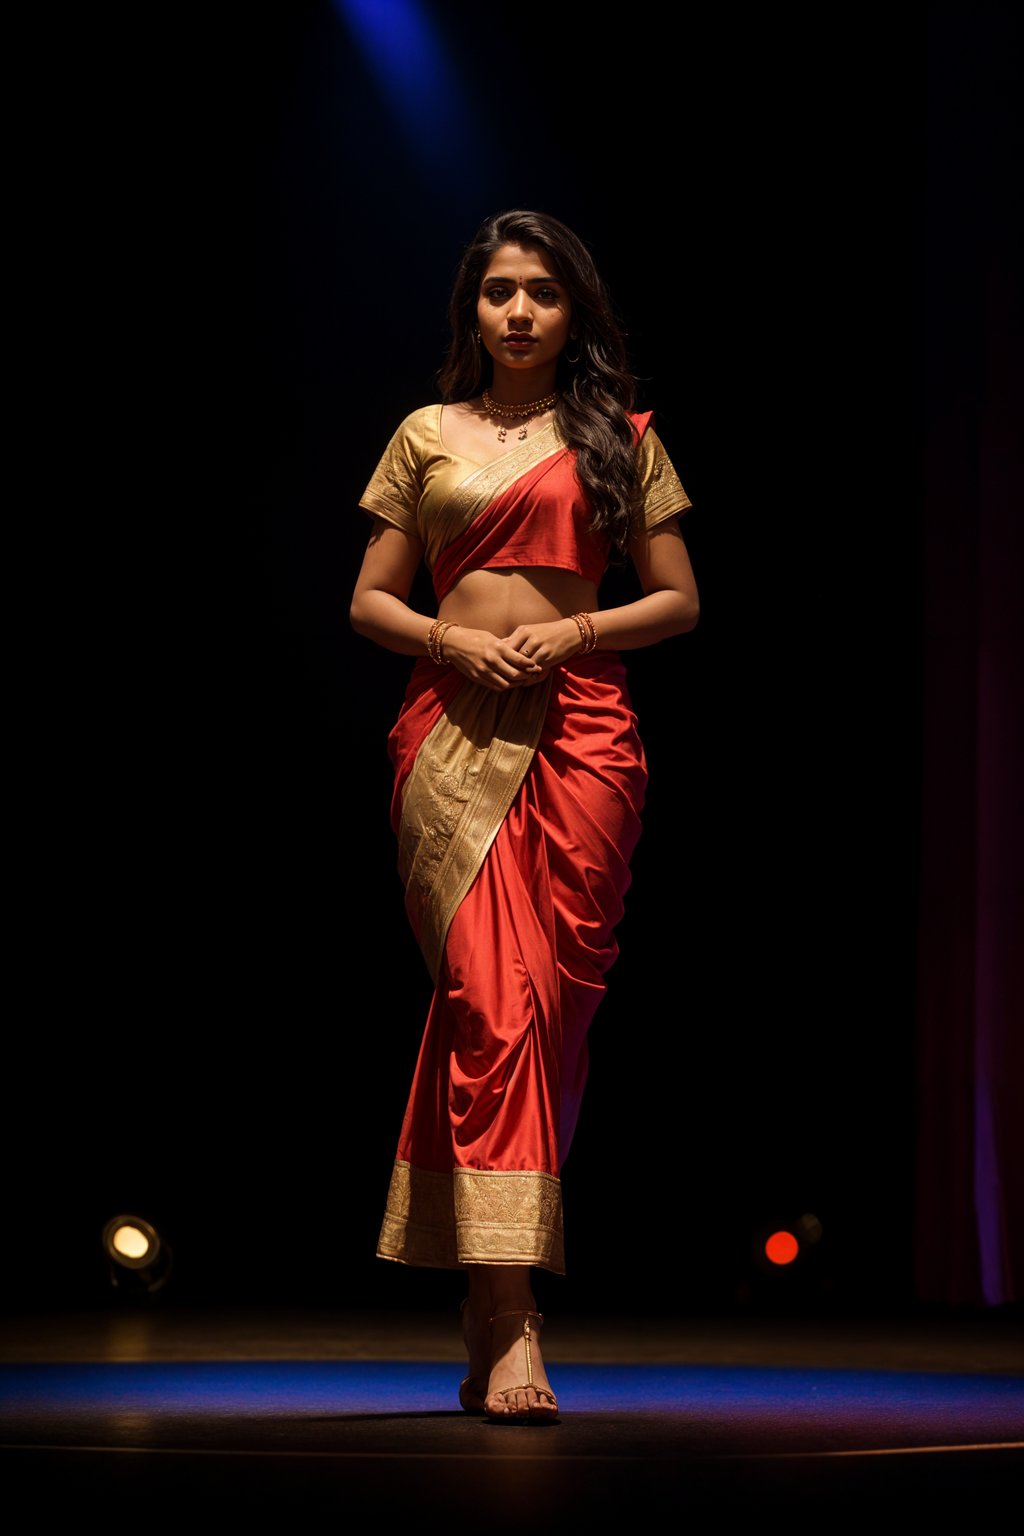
(518, 1390)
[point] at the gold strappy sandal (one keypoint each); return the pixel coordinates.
(542, 1412)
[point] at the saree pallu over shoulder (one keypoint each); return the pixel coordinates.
(506, 478)
(539, 518)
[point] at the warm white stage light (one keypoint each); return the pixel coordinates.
(138, 1259)
(130, 1242)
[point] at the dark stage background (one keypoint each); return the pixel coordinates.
(224, 1003)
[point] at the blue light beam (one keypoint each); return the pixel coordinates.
(415, 75)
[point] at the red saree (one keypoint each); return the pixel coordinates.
(516, 816)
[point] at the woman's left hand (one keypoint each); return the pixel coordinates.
(547, 644)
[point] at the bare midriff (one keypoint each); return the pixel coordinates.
(500, 600)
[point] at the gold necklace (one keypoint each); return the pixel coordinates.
(521, 412)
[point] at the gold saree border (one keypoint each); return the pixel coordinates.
(479, 489)
(474, 494)
(466, 775)
(473, 1216)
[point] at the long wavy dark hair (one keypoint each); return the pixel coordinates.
(597, 386)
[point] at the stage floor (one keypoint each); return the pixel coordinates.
(279, 1414)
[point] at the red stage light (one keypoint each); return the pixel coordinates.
(782, 1248)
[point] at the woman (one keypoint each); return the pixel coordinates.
(519, 773)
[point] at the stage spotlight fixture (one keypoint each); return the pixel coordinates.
(138, 1258)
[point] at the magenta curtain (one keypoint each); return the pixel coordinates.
(969, 1239)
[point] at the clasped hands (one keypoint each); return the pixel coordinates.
(524, 657)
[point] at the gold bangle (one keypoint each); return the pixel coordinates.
(434, 639)
(588, 633)
(441, 657)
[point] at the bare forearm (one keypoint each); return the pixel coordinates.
(644, 622)
(477, 653)
(655, 617)
(391, 623)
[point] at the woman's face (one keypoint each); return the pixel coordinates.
(524, 311)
